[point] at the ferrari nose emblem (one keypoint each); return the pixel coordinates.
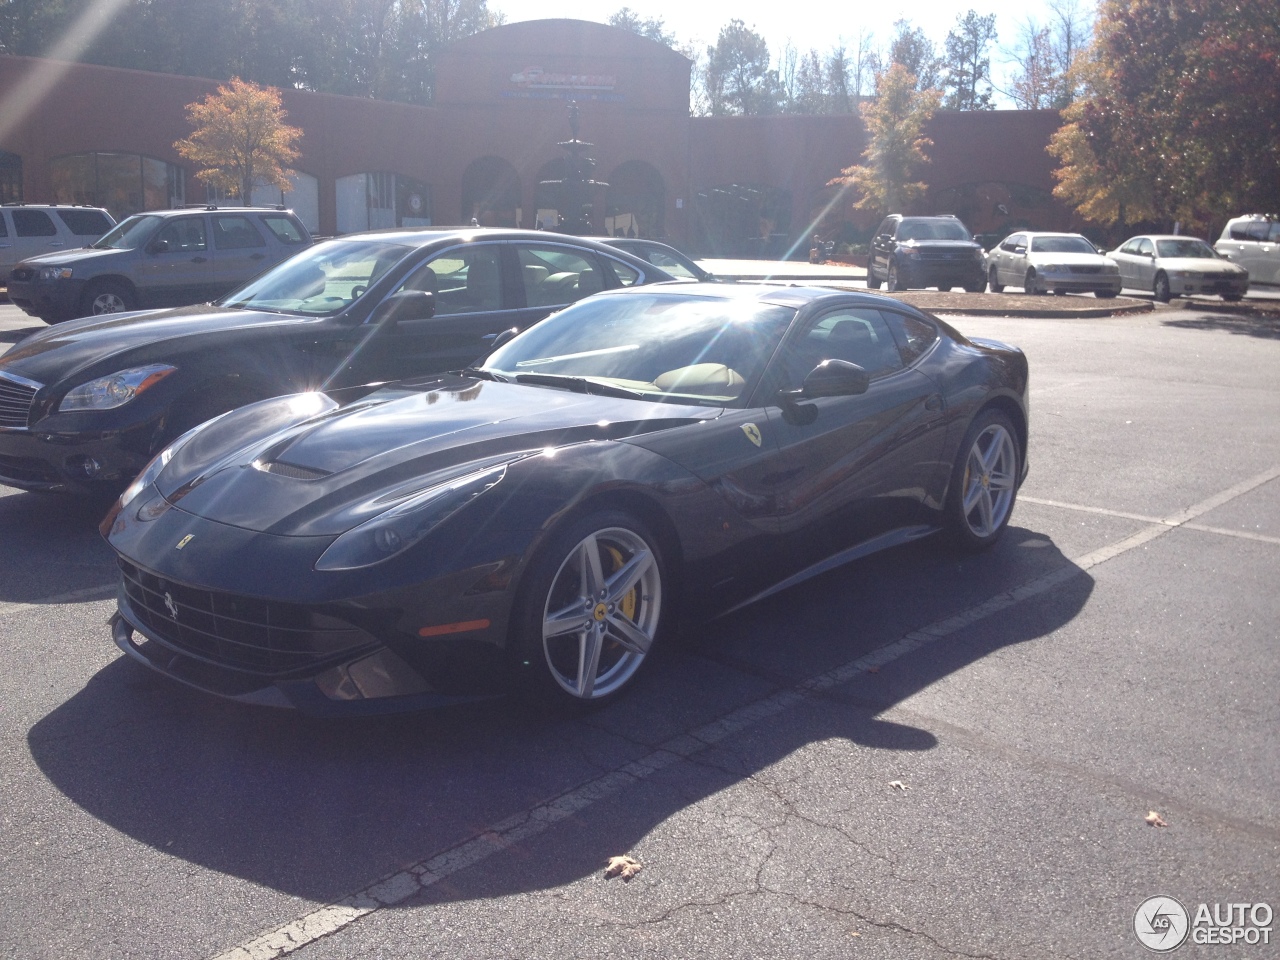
(752, 432)
(600, 612)
(170, 605)
(185, 540)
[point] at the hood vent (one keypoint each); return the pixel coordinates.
(292, 471)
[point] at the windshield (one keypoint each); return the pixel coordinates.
(660, 347)
(932, 230)
(128, 234)
(1188, 247)
(1061, 245)
(321, 280)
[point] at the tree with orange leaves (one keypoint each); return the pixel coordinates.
(240, 139)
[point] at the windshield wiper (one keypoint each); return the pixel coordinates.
(480, 373)
(579, 385)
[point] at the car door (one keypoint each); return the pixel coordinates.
(175, 266)
(1123, 258)
(240, 250)
(850, 468)
(1000, 257)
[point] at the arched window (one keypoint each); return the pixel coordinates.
(124, 183)
(370, 201)
(636, 201)
(491, 193)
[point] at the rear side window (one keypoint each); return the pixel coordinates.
(1255, 230)
(85, 223)
(33, 223)
(915, 336)
(286, 230)
(627, 275)
(236, 233)
(553, 276)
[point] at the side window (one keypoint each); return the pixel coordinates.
(33, 223)
(886, 229)
(183, 236)
(235, 233)
(464, 279)
(1010, 243)
(1257, 231)
(1274, 235)
(286, 230)
(554, 276)
(1145, 248)
(915, 335)
(858, 335)
(1130, 246)
(85, 223)
(4, 229)
(627, 275)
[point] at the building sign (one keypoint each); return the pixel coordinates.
(535, 83)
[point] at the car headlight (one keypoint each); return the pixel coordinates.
(912, 252)
(55, 273)
(107, 393)
(399, 528)
(1052, 268)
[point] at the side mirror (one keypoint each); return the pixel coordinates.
(158, 246)
(830, 378)
(506, 336)
(405, 305)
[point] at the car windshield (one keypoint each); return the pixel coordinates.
(932, 230)
(1185, 247)
(320, 281)
(1061, 245)
(700, 350)
(128, 234)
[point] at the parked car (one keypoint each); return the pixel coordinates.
(30, 229)
(543, 518)
(1062, 262)
(661, 255)
(940, 252)
(167, 258)
(1254, 243)
(1175, 266)
(84, 405)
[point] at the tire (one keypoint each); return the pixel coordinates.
(873, 282)
(1029, 283)
(1057, 292)
(976, 287)
(984, 482)
(107, 296)
(1105, 294)
(894, 283)
(580, 644)
(1161, 288)
(992, 283)
(1233, 297)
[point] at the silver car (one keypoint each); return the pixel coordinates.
(1254, 243)
(1061, 262)
(1175, 266)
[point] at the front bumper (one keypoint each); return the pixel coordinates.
(49, 300)
(1227, 287)
(944, 274)
(88, 463)
(1079, 283)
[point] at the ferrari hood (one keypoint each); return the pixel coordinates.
(53, 355)
(324, 475)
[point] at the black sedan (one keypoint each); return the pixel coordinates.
(85, 405)
(543, 518)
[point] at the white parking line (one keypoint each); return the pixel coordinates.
(401, 886)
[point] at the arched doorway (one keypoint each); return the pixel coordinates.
(636, 201)
(491, 193)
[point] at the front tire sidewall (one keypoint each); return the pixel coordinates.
(534, 671)
(961, 530)
(1161, 288)
(104, 298)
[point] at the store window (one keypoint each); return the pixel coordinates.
(371, 201)
(124, 183)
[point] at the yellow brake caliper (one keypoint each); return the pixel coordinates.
(628, 603)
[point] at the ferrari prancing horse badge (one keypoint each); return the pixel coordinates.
(752, 432)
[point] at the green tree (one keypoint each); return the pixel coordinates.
(738, 78)
(1180, 120)
(966, 66)
(896, 144)
(916, 52)
(240, 140)
(652, 27)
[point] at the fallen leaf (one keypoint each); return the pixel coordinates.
(1155, 820)
(623, 867)
(898, 785)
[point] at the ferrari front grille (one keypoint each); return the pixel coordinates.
(255, 636)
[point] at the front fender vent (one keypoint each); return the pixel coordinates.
(291, 470)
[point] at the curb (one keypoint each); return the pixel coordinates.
(924, 300)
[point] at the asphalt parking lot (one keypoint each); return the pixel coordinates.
(916, 755)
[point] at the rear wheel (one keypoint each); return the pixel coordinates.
(107, 296)
(984, 481)
(995, 285)
(590, 610)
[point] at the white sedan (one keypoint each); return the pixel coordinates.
(1061, 262)
(1174, 266)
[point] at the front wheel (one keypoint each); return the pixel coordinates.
(1029, 284)
(1161, 288)
(873, 282)
(984, 482)
(107, 296)
(590, 610)
(895, 281)
(995, 285)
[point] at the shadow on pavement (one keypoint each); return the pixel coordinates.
(1248, 325)
(319, 809)
(51, 546)
(13, 336)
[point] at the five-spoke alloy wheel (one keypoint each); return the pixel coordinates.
(984, 481)
(594, 609)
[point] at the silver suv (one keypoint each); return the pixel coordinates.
(165, 258)
(1254, 243)
(30, 229)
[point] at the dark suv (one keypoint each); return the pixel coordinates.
(937, 252)
(165, 258)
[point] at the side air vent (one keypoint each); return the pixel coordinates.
(292, 470)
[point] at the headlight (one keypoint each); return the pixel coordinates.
(912, 252)
(107, 393)
(1052, 268)
(55, 273)
(402, 526)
